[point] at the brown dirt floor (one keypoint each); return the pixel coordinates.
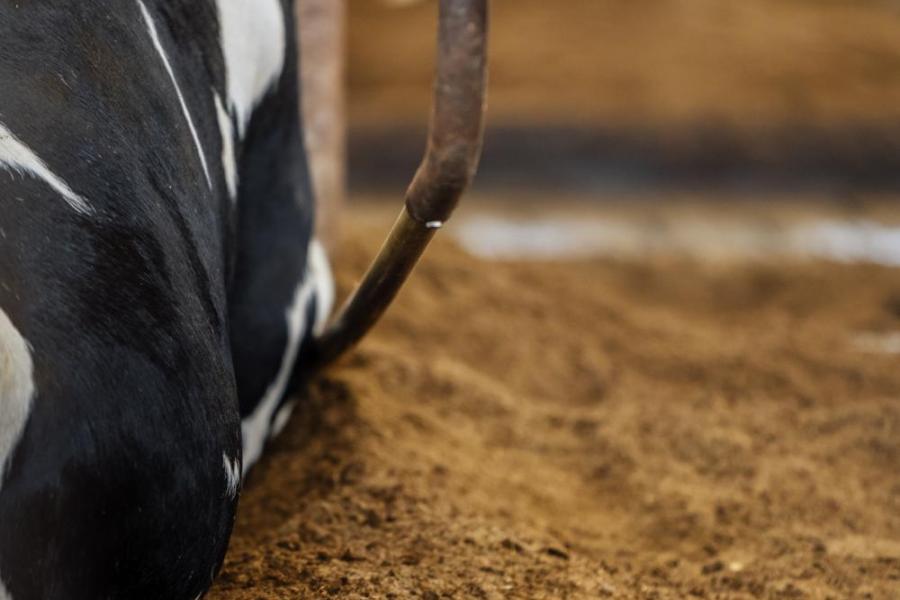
(666, 428)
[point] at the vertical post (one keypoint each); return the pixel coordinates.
(322, 25)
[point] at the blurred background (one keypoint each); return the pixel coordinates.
(653, 355)
(698, 126)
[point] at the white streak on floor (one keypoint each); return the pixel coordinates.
(561, 237)
(856, 241)
(493, 237)
(879, 343)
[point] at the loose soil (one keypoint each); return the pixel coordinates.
(656, 428)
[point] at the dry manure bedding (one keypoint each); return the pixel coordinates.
(583, 429)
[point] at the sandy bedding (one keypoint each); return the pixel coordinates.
(663, 428)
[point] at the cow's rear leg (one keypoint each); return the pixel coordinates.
(281, 289)
(268, 344)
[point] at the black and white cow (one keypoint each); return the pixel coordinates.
(158, 280)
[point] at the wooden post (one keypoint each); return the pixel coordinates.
(322, 26)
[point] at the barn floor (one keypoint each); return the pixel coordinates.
(600, 427)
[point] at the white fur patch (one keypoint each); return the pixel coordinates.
(323, 281)
(253, 44)
(16, 388)
(154, 35)
(282, 418)
(16, 156)
(255, 429)
(229, 161)
(232, 475)
(4, 595)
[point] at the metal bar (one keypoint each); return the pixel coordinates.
(451, 159)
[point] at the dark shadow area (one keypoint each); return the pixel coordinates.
(842, 158)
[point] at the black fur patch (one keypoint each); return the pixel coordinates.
(154, 322)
